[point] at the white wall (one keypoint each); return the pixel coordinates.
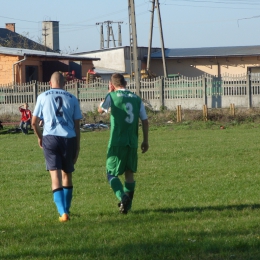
(113, 59)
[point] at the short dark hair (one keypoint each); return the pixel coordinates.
(118, 80)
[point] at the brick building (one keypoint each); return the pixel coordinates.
(24, 65)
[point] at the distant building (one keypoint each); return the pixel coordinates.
(116, 59)
(216, 61)
(24, 65)
(9, 38)
(190, 62)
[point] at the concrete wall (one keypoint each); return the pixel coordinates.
(190, 93)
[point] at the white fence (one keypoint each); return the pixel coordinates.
(190, 93)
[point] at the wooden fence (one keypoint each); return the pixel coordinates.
(189, 93)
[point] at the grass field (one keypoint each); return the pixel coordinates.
(197, 197)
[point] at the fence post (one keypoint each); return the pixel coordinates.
(77, 89)
(204, 86)
(232, 109)
(205, 113)
(179, 117)
(248, 87)
(35, 92)
(161, 91)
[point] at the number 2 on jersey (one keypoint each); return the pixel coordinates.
(59, 112)
(129, 110)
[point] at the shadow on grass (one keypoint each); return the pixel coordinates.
(200, 209)
(13, 131)
(179, 246)
(110, 238)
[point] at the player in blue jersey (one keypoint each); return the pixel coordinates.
(126, 110)
(60, 139)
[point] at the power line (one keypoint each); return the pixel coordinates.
(18, 19)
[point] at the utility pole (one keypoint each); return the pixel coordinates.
(110, 34)
(150, 38)
(101, 35)
(133, 46)
(119, 35)
(161, 34)
(45, 35)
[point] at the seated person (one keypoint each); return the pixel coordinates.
(25, 118)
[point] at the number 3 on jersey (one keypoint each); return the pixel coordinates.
(129, 110)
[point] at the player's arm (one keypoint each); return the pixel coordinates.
(145, 143)
(20, 108)
(105, 104)
(37, 129)
(145, 128)
(77, 130)
(100, 109)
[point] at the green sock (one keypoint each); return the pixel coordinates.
(129, 189)
(117, 187)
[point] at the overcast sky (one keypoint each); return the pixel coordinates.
(186, 23)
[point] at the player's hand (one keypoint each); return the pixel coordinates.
(40, 142)
(111, 87)
(144, 147)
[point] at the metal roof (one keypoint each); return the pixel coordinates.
(208, 52)
(35, 53)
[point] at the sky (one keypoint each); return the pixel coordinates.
(185, 23)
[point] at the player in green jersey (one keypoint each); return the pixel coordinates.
(126, 110)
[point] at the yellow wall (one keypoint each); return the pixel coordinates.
(7, 75)
(6, 68)
(199, 66)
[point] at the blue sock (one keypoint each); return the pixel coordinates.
(67, 197)
(58, 198)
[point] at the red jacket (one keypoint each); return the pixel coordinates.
(26, 114)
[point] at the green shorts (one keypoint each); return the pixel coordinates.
(120, 159)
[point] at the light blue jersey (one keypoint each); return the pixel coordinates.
(59, 109)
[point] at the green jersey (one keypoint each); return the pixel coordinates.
(126, 108)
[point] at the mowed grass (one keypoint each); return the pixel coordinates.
(197, 197)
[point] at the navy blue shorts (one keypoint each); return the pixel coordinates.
(59, 152)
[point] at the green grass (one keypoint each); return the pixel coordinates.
(197, 197)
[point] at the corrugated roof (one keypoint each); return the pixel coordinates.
(208, 52)
(31, 53)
